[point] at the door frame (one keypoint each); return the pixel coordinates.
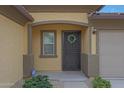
(62, 36)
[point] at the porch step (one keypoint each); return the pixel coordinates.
(69, 83)
(67, 79)
(76, 84)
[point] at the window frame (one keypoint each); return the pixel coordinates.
(41, 40)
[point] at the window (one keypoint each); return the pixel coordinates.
(48, 43)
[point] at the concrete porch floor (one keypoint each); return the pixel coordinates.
(67, 79)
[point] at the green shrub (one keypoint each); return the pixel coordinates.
(98, 82)
(38, 82)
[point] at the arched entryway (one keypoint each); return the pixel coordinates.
(60, 22)
(62, 58)
(35, 44)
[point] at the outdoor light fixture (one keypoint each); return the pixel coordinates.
(93, 30)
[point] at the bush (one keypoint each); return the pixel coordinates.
(38, 82)
(98, 82)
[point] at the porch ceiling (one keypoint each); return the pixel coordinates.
(63, 8)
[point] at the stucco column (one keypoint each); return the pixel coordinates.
(28, 60)
(93, 64)
(29, 39)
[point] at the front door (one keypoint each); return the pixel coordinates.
(71, 50)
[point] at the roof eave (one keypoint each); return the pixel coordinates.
(24, 12)
(98, 9)
(107, 16)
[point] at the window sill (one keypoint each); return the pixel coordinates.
(48, 56)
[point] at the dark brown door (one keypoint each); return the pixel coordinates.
(71, 49)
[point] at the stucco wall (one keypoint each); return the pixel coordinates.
(52, 64)
(78, 17)
(11, 51)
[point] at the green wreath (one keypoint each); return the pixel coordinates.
(71, 38)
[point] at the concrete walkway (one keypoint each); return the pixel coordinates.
(67, 79)
(76, 79)
(116, 82)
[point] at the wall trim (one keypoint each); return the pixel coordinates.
(28, 64)
(90, 64)
(93, 65)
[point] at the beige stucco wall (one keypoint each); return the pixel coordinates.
(11, 52)
(78, 17)
(52, 64)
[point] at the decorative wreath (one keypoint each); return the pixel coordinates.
(71, 38)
